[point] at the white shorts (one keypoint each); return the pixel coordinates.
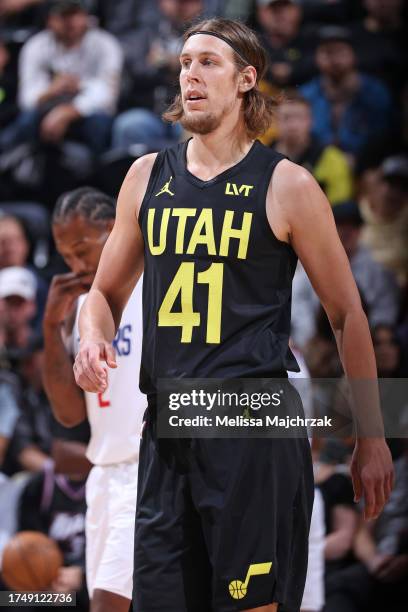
(313, 596)
(110, 523)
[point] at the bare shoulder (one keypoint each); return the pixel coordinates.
(142, 167)
(294, 198)
(135, 184)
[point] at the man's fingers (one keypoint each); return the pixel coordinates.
(379, 496)
(374, 495)
(356, 485)
(369, 496)
(110, 356)
(83, 380)
(93, 366)
(70, 284)
(388, 484)
(89, 371)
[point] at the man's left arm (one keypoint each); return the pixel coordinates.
(306, 221)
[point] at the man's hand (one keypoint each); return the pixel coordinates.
(90, 374)
(64, 84)
(63, 292)
(68, 579)
(373, 474)
(56, 123)
(61, 85)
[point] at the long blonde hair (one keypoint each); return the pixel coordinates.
(258, 107)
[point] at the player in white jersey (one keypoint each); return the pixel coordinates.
(313, 595)
(82, 222)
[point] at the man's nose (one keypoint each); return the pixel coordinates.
(193, 73)
(79, 266)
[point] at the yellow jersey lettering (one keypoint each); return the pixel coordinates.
(182, 214)
(233, 190)
(160, 248)
(245, 189)
(204, 222)
(241, 234)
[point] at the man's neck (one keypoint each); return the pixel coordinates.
(277, 41)
(210, 154)
(70, 44)
(343, 86)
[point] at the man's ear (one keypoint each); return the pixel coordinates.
(247, 79)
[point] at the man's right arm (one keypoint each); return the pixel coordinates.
(120, 267)
(66, 399)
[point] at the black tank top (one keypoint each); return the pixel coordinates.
(217, 283)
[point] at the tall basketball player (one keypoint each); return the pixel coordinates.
(82, 222)
(219, 221)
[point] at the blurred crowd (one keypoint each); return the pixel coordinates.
(82, 88)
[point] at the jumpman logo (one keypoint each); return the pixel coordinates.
(166, 188)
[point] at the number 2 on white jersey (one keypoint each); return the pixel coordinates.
(102, 402)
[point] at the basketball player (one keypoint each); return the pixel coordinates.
(82, 222)
(219, 222)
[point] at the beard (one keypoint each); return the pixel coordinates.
(200, 123)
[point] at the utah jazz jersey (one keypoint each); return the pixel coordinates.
(217, 282)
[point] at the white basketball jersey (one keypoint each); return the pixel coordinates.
(115, 416)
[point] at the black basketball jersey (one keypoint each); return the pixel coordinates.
(217, 282)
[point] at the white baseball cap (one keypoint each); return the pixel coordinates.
(17, 281)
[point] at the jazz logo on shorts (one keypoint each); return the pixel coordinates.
(238, 589)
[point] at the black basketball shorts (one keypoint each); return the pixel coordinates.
(221, 524)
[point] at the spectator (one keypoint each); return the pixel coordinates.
(348, 106)
(394, 401)
(379, 581)
(328, 164)
(340, 511)
(152, 69)
(14, 251)
(384, 208)
(54, 504)
(289, 46)
(8, 88)
(69, 81)
(17, 294)
(37, 436)
(377, 285)
(380, 41)
(341, 514)
(387, 351)
(14, 243)
(9, 411)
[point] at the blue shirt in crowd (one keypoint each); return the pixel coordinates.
(368, 114)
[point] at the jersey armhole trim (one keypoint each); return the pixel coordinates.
(150, 185)
(263, 203)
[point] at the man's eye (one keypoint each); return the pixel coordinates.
(185, 64)
(207, 62)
